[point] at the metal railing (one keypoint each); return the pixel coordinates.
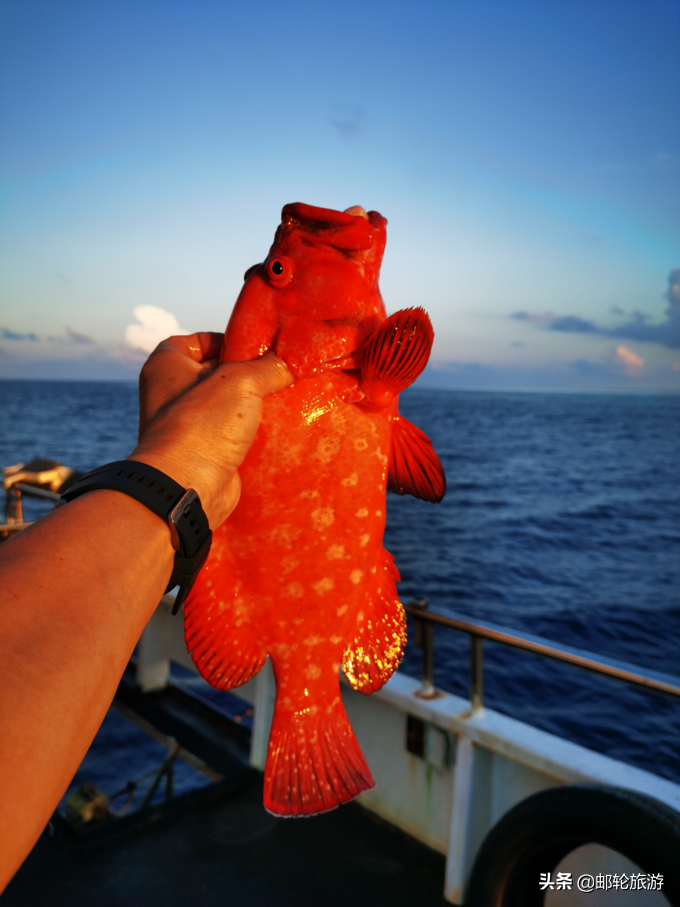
(32, 492)
(14, 513)
(478, 630)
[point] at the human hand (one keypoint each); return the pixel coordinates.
(198, 418)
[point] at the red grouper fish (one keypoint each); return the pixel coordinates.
(298, 571)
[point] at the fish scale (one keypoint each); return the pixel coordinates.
(298, 572)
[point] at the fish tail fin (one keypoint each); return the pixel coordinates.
(379, 637)
(414, 467)
(395, 354)
(314, 762)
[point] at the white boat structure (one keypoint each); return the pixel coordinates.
(447, 769)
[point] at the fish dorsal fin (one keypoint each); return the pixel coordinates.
(395, 354)
(414, 467)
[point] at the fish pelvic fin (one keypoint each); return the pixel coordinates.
(225, 654)
(380, 635)
(414, 467)
(314, 762)
(394, 355)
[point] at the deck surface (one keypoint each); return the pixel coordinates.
(229, 850)
(234, 853)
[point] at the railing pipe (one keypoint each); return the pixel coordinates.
(32, 492)
(424, 640)
(476, 672)
(599, 664)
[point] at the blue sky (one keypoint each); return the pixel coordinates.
(526, 155)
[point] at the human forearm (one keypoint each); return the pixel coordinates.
(66, 638)
(78, 587)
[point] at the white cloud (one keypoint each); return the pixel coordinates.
(631, 362)
(155, 325)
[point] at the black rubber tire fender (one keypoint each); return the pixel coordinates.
(535, 836)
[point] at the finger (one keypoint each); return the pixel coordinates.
(199, 347)
(269, 374)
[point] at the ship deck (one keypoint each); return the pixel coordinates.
(225, 848)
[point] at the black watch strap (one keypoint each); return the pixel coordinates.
(179, 507)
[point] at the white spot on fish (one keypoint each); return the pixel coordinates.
(313, 640)
(338, 421)
(341, 610)
(362, 513)
(381, 456)
(364, 540)
(323, 518)
(295, 590)
(309, 494)
(361, 444)
(356, 576)
(378, 513)
(283, 535)
(327, 448)
(335, 552)
(350, 480)
(288, 564)
(324, 585)
(336, 639)
(312, 672)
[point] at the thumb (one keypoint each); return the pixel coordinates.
(267, 375)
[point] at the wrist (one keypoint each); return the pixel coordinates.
(178, 506)
(213, 484)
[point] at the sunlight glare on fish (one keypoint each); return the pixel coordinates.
(318, 408)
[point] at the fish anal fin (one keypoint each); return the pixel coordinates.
(225, 654)
(395, 354)
(414, 467)
(314, 762)
(380, 635)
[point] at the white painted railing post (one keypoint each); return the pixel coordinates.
(470, 816)
(153, 663)
(265, 693)
(457, 856)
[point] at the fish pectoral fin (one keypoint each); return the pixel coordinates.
(380, 636)
(314, 762)
(395, 354)
(414, 467)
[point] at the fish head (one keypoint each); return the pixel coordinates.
(316, 297)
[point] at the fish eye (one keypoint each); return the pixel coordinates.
(279, 270)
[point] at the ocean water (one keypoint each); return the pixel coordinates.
(562, 518)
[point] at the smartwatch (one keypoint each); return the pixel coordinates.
(179, 507)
